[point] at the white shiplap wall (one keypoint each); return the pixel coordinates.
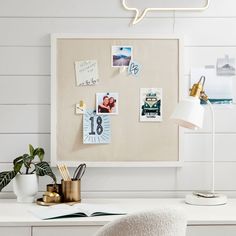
(25, 26)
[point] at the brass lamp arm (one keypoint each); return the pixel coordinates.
(197, 89)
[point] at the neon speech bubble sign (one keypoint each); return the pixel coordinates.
(139, 15)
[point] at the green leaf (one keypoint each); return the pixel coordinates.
(6, 177)
(18, 166)
(18, 162)
(31, 150)
(27, 160)
(43, 168)
(40, 153)
(18, 159)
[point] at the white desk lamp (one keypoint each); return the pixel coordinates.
(189, 114)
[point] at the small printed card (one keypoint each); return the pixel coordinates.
(86, 73)
(134, 69)
(151, 104)
(96, 128)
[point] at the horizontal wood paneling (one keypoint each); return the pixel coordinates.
(192, 176)
(197, 176)
(196, 31)
(129, 179)
(24, 60)
(200, 56)
(36, 32)
(14, 145)
(102, 8)
(25, 89)
(225, 116)
(25, 119)
(217, 8)
(198, 147)
(62, 8)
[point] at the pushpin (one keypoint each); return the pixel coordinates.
(80, 108)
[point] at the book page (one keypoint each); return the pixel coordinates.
(55, 211)
(102, 209)
(80, 210)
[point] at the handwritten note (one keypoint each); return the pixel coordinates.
(86, 73)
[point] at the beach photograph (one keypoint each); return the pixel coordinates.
(121, 56)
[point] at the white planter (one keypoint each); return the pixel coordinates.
(25, 187)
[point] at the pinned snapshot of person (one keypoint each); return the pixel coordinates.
(107, 103)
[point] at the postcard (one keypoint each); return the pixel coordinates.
(225, 66)
(151, 104)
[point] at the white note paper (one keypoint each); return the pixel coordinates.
(86, 73)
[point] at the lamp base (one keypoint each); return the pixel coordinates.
(211, 200)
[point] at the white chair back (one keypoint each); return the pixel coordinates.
(162, 222)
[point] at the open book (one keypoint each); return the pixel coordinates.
(76, 210)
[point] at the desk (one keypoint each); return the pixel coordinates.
(16, 220)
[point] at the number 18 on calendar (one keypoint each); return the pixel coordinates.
(96, 128)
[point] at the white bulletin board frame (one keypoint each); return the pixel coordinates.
(54, 102)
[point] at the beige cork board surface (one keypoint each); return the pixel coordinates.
(131, 140)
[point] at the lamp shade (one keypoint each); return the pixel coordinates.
(189, 113)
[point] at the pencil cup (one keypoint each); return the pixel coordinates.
(71, 190)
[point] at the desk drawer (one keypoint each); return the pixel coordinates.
(65, 230)
(13, 231)
(212, 230)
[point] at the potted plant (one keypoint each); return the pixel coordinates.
(25, 173)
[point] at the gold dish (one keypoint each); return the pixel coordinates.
(40, 202)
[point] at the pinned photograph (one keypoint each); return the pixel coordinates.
(151, 104)
(107, 103)
(121, 56)
(226, 66)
